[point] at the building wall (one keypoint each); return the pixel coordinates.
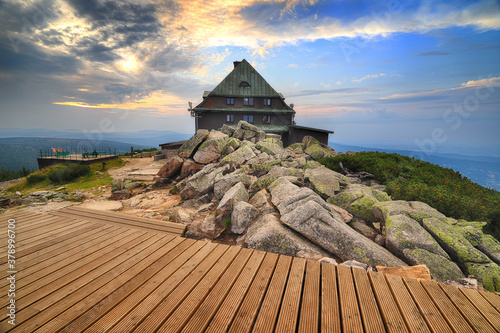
(297, 134)
(215, 120)
(258, 102)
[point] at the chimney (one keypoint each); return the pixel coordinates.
(236, 63)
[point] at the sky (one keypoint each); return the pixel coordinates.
(419, 74)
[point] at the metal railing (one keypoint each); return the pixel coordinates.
(77, 153)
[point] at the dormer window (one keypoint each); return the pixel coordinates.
(267, 101)
(248, 101)
(244, 84)
(230, 101)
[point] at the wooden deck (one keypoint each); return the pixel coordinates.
(76, 274)
(123, 220)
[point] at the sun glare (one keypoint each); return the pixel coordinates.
(129, 64)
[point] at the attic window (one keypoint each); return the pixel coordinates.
(244, 84)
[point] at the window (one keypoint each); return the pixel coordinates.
(266, 119)
(244, 84)
(248, 119)
(230, 101)
(248, 101)
(267, 101)
(230, 118)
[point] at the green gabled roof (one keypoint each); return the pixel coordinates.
(244, 72)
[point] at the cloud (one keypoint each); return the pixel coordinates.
(330, 92)
(438, 93)
(157, 102)
(431, 54)
(370, 76)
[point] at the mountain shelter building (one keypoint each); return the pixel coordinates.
(245, 95)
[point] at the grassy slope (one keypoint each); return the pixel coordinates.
(95, 178)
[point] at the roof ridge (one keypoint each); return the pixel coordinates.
(242, 81)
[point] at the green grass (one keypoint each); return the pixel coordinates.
(94, 176)
(410, 179)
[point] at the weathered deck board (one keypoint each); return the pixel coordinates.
(122, 220)
(88, 275)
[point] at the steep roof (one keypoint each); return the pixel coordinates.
(233, 84)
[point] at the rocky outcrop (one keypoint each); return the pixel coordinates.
(211, 149)
(189, 168)
(268, 234)
(171, 167)
(235, 194)
(188, 149)
(243, 214)
(469, 258)
(324, 181)
(359, 200)
(312, 217)
(224, 183)
(201, 182)
(242, 181)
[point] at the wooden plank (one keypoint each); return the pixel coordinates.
(155, 309)
(393, 320)
(42, 298)
(60, 277)
(115, 218)
(447, 309)
(222, 273)
(493, 299)
(309, 312)
(92, 305)
(98, 288)
(488, 311)
(54, 269)
(411, 314)
(125, 219)
(349, 308)
(74, 239)
(48, 243)
(370, 313)
(289, 312)
(245, 317)
(213, 302)
(268, 314)
(52, 230)
(149, 294)
(248, 291)
(467, 309)
(330, 312)
(428, 309)
(122, 217)
(123, 223)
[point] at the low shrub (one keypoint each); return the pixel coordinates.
(36, 177)
(62, 173)
(407, 178)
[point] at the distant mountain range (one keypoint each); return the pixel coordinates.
(483, 170)
(149, 138)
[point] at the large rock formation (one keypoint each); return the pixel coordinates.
(273, 199)
(311, 216)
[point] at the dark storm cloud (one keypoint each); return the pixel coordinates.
(115, 11)
(31, 60)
